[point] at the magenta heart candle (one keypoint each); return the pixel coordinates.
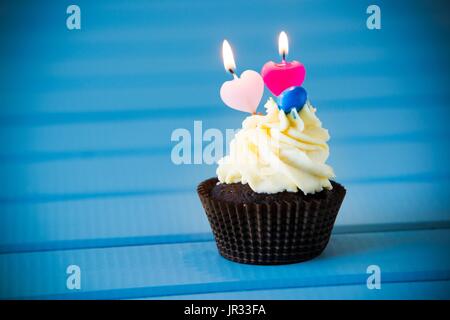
(283, 75)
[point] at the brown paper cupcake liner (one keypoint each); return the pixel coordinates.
(279, 232)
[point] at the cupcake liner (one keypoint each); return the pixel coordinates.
(280, 232)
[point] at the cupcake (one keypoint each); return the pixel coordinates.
(273, 200)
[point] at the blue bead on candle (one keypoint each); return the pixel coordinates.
(293, 97)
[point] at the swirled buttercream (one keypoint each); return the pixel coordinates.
(279, 152)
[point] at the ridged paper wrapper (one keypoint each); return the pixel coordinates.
(279, 232)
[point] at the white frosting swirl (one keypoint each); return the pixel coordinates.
(278, 152)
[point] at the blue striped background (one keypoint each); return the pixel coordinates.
(86, 118)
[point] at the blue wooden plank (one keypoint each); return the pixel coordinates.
(433, 290)
(112, 220)
(102, 50)
(134, 23)
(353, 163)
(191, 268)
(206, 111)
(112, 138)
(115, 72)
(146, 97)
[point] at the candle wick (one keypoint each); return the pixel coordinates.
(283, 57)
(233, 73)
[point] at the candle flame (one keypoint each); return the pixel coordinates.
(228, 58)
(283, 44)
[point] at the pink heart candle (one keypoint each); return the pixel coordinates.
(244, 93)
(280, 76)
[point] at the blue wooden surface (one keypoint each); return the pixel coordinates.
(86, 118)
(174, 269)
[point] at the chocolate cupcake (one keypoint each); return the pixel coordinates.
(273, 201)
